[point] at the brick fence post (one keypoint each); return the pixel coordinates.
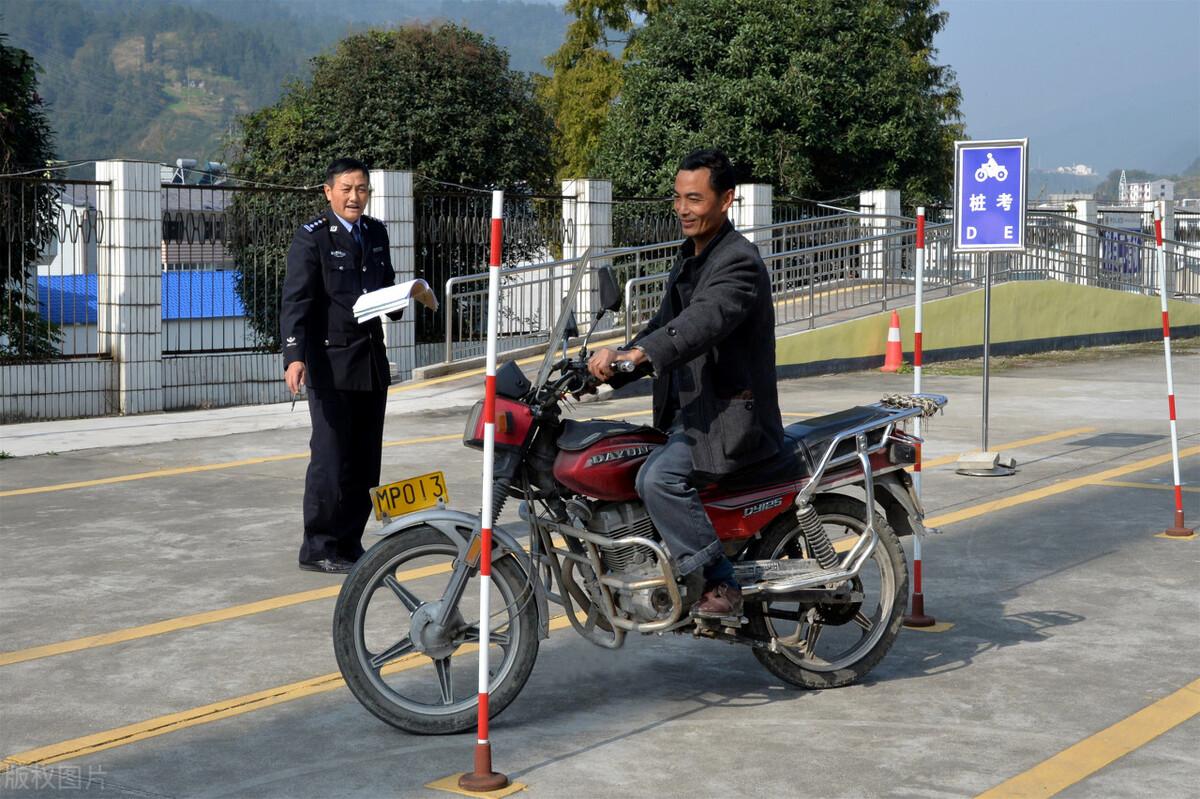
(752, 209)
(392, 201)
(129, 293)
(587, 212)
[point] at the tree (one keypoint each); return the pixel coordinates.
(27, 208)
(585, 77)
(438, 100)
(820, 99)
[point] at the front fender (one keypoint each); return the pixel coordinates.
(459, 527)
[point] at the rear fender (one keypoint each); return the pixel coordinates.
(459, 527)
(901, 506)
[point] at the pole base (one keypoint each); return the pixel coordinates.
(1179, 531)
(917, 617)
(482, 779)
(985, 464)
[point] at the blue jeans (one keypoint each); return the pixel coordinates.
(674, 504)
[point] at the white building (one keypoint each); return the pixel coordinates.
(1138, 193)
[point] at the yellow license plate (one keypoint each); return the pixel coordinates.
(409, 496)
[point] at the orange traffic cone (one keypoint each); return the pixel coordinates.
(893, 359)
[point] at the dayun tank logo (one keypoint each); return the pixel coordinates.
(759, 507)
(622, 454)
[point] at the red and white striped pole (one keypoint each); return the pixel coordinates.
(483, 778)
(916, 616)
(1178, 530)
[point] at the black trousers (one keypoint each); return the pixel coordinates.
(346, 442)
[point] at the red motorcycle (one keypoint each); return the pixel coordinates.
(823, 574)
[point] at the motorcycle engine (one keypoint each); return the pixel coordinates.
(617, 520)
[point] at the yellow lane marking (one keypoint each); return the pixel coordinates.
(286, 600)
(1024, 442)
(227, 708)
(1052, 490)
(206, 617)
(207, 467)
(1097, 751)
(1159, 486)
(450, 785)
(194, 620)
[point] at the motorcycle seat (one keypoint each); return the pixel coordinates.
(581, 435)
(805, 443)
(782, 467)
(810, 438)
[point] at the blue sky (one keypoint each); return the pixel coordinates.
(1109, 83)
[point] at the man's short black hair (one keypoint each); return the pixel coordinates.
(343, 165)
(721, 176)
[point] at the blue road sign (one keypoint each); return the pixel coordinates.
(989, 194)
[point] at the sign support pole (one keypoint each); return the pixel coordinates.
(483, 779)
(990, 180)
(916, 616)
(987, 341)
(1179, 530)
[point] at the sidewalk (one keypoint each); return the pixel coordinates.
(69, 435)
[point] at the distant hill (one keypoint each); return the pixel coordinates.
(163, 79)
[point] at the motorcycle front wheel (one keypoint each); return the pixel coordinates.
(828, 646)
(406, 668)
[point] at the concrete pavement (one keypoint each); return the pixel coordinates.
(159, 641)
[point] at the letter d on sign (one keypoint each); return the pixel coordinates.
(971, 232)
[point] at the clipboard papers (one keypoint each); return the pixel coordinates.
(383, 301)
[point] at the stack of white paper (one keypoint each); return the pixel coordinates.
(394, 298)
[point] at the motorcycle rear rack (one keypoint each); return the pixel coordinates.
(857, 557)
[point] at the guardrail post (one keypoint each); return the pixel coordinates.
(1087, 243)
(752, 209)
(129, 290)
(392, 203)
(1166, 210)
(587, 205)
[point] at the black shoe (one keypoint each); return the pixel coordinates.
(333, 565)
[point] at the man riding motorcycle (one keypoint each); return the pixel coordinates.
(711, 350)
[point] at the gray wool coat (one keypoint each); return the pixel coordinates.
(714, 334)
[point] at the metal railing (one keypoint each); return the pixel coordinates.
(224, 256)
(50, 233)
(451, 239)
(823, 267)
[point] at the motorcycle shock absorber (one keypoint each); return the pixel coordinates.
(819, 546)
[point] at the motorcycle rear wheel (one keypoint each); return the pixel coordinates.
(831, 655)
(430, 687)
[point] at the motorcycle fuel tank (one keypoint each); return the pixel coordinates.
(607, 469)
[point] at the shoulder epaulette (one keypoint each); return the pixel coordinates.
(372, 219)
(316, 224)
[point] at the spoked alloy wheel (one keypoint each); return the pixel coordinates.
(401, 664)
(835, 644)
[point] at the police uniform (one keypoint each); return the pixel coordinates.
(346, 373)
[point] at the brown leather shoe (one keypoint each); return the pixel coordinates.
(719, 602)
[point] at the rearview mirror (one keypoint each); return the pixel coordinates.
(610, 292)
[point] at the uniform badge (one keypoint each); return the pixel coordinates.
(376, 249)
(337, 254)
(291, 341)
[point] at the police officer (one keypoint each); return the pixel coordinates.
(334, 259)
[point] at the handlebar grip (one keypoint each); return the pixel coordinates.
(623, 366)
